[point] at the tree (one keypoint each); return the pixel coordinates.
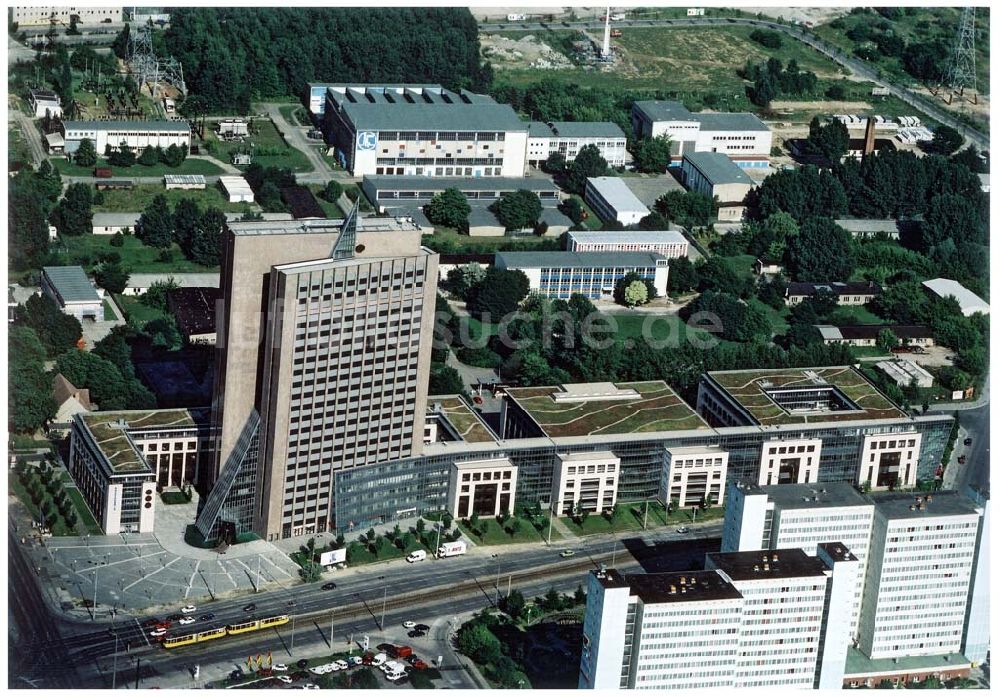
(156, 295)
(163, 333)
(123, 156)
(86, 153)
(836, 92)
(946, 141)
(551, 601)
(476, 641)
(206, 242)
(156, 225)
(887, 340)
(738, 320)
(682, 275)
(27, 211)
(449, 208)
(579, 595)
(588, 163)
(57, 331)
(763, 91)
(822, 251)
(332, 191)
(652, 154)
(103, 379)
(500, 293)
(465, 279)
(687, 208)
(149, 156)
(29, 387)
(364, 679)
(720, 274)
(111, 276)
(174, 155)
(971, 158)
(627, 280)
(187, 216)
(829, 141)
(518, 210)
(555, 164)
(635, 294)
(445, 380)
(654, 221)
(514, 604)
(573, 209)
(73, 216)
(802, 193)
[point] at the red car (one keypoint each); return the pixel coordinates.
(419, 665)
(151, 622)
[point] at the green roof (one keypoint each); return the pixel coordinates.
(72, 284)
(463, 419)
(717, 168)
(749, 389)
(113, 440)
(657, 408)
(860, 665)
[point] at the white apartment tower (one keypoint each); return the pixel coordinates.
(752, 619)
(920, 567)
(803, 516)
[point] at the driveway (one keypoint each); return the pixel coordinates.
(296, 137)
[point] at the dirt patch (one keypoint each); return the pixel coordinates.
(822, 107)
(812, 15)
(527, 52)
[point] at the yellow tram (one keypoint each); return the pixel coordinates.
(219, 632)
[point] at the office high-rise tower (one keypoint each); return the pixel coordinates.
(324, 356)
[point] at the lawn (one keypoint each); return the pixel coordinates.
(630, 518)
(58, 525)
(137, 311)
(359, 554)
(265, 143)
(778, 319)
(109, 313)
(448, 240)
(24, 441)
(84, 511)
(332, 210)
(666, 330)
(295, 114)
(189, 166)
(592, 221)
(493, 534)
(853, 314)
(139, 197)
(137, 257)
(18, 150)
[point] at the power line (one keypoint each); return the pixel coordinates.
(962, 70)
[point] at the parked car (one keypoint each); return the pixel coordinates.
(416, 633)
(186, 620)
(423, 628)
(284, 678)
(409, 624)
(329, 586)
(419, 665)
(158, 633)
(378, 659)
(354, 660)
(341, 664)
(279, 668)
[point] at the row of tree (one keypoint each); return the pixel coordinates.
(197, 232)
(773, 79)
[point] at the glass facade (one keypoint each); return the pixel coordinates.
(595, 283)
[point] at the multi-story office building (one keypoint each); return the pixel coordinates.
(569, 137)
(593, 274)
(743, 137)
(118, 460)
(669, 243)
(334, 316)
(136, 134)
(39, 15)
(920, 567)
(803, 516)
(716, 176)
(694, 476)
(773, 619)
(421, 130)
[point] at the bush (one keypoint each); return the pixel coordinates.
(766, 38)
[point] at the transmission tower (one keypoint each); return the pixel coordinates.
(149, 70)
(962, 70)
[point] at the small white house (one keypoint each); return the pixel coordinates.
(236, 189)
(43, 101)
(112, 223)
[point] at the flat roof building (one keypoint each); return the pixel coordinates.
(867, 334)
(741, 136)
(669, 243)
(593, 274)
(45, 15)
(236, 189)
(868, 228)
(569, 137)
(386, 191)
(716, 176)
(612, 200)
(905, 373)
(112, 223)
(967, 300)
(136, 134)
(44, 102)
(422, 130)
(193, 308)
(72, 291)
(184, 181)
(846, 293)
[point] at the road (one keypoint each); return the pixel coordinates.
(467, 581)
(30, 134)
(296, 137)
(918, 102)
(975, 424)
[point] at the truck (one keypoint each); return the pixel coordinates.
(617, 17)
(616, 33)
(516, 18)
(103, 172)
(451, 549)
(416, 555)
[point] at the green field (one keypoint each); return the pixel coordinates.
(448, 240)
(109, 314)
(85, 251)
(630, 518)
(668, 330)
(139, 197)
(854, 314)
(189, 166)
(688, 61)
(17, 147)
(295, 114)
(495, 535)
(83, 511)
(268, 148)
(137, 311)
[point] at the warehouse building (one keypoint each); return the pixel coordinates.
(136, 134)
(236, 189)
(669, 243)
(967, 300)
(715, 175)
(184, 181)
(707, 629)
(568, 137)
(422, 130)
(593, 274)
(867, 334)
(72, 291)
(43, 16)
(611, 199)
(44, 102)
(743, 137)
(905, 373)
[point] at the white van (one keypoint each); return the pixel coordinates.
(395, 675)
(416, 555)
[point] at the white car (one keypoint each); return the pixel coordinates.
(409, 624)
(188, 609)
(284, 678)
(279, 668)
(309, 686)
(332, 667)
(186, 620)
(158, 632)
(379, 659)
(341, 664)
(319, 670)
(682, 530)
(354, 660)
